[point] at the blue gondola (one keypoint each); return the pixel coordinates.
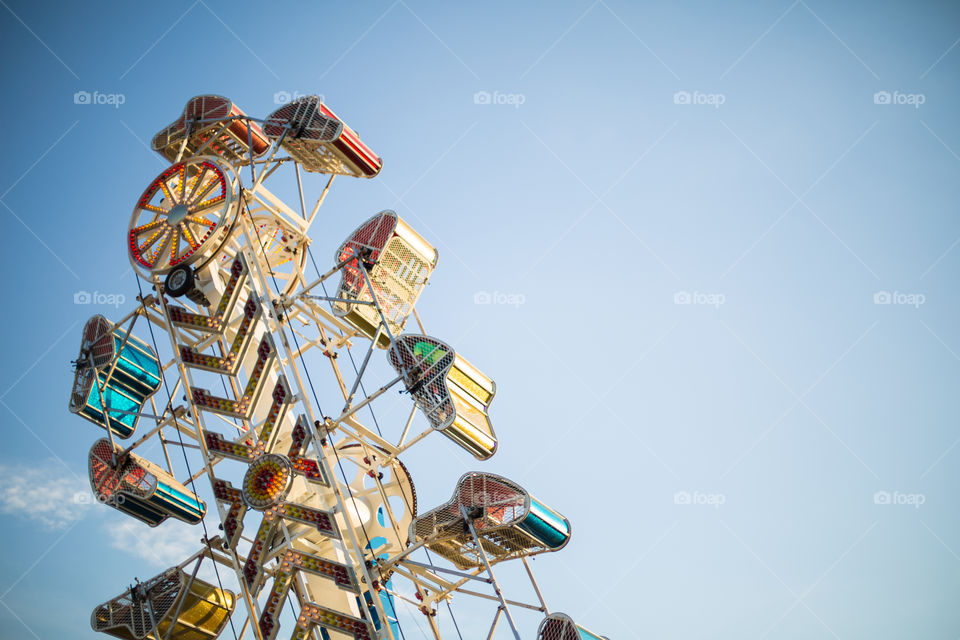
(121, 368)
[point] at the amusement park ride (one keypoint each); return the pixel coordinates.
(225, 265)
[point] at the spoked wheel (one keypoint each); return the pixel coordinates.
(281, 250)
(367, 503)
(184, 216)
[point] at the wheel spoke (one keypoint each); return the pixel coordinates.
(154, 237)
(150, 225)
(195, 183)
(201, 221)
(188, 236)
(206, 204)
(203, 190)
(174, 244)
(154, 208)
(166, 191)
(183, 181)
(200, 231)
(160, 246)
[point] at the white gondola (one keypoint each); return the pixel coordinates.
(217, 126)
(398, 262)
(321, 142)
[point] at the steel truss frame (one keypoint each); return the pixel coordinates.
(281, 312)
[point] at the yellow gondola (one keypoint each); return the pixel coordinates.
(171, 606)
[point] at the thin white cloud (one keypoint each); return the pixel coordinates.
(45, 493)
(162, 546)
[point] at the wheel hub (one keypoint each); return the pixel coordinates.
(177, 214)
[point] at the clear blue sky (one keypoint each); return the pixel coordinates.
(740, 156)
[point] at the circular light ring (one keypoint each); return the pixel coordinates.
(399, 485)
(181, 214)
(267, 481)
(279, 247)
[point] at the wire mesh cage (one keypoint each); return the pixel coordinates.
(398, 262)
(315, 137)
(509, 522)
(170, 606)
(140, 488)
(560, 626)
(216, 125)
(454, 395)
(125, 372)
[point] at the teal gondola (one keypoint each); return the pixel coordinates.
(121, 368)
(140, 488)
(509, 522)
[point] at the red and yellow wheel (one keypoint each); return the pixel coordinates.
(184, 216)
